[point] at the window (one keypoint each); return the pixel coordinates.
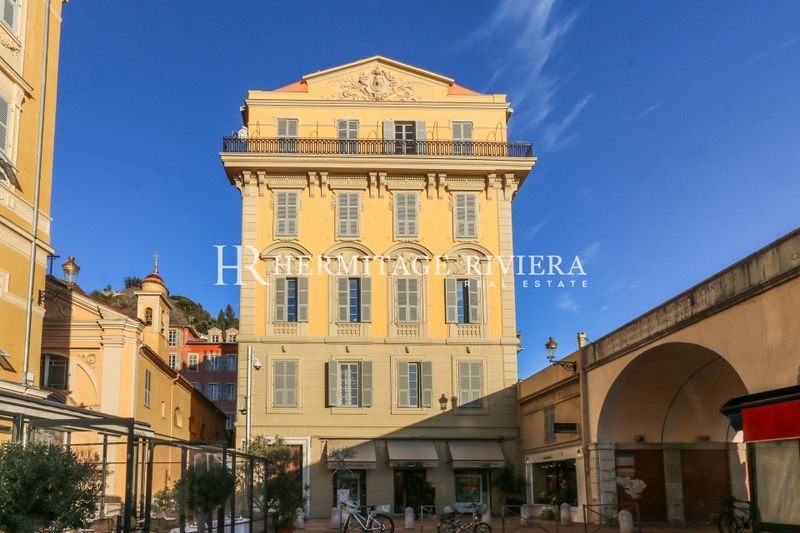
(284, 386)
(232, 337)
(286, 209)
(465, 215)
(229, 392)
(148, 317)
(462, 300)
(177, 418)
(549, 423)
(54, 371)
(147, 378)
(354, 297)
(212, 391)
(197, 387)
(405, 214)
(174, 361)
(291, 299)
(349, 384)
(192, 365)
(405, 138)
(231, 363)
(213, 338)
(213, 363)
(5, 119)
(348, 136)
(173, 337)
(287, 134)
(10, 8)
(347, 214)
(231, 421)
(554, 481)
(462, 138)
(407, 300)
(414, 384)
(470, 384)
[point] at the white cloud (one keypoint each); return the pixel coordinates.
(648, 110)
(532, 32)
(771, 51)
(532, 231)
(590, 253)
(568, 303)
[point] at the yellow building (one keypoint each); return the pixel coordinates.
(403, 347)
(101, 358)
(29, 47)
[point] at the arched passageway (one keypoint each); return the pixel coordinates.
(662, 416)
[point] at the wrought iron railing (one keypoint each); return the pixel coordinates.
(375, 147)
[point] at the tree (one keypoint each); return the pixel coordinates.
(510, 485)
(133, 282)
(203, 489)
(230, 317)
(46, 486)
(280, 487)
(221, 322)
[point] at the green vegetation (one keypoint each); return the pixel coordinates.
(46, 486)
(284, 489)
(203, 489)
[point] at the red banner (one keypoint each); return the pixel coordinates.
(772, 422)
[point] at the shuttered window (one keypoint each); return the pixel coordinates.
(465, 215)
(5, 116)
(192, 365)
(354, 299)
(212, 391)
(349, 383)
(470, 384)
(286, 210)
(230, 392)
(10, 13)
(405, 214)
(549, 423)
(462, 301)
(414, 384)
(347, 214)
(284, 384)
(348, 136)
(147, 380)
(287, 134)
(407, 300)
(291, 299)
(462, 138)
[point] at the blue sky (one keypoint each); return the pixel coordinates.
(667, 132)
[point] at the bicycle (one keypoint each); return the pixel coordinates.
(371, 522)
(736, 518)
(451, 523)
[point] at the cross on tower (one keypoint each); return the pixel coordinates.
(155, 263)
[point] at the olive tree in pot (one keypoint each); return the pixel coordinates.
(46, 486)
(279, 486)
(510, 485)
(203, 489)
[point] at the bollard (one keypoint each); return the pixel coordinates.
(525, 514)
(299, 522)
(336, 518)
(409, 518)
(625, 519)
(487, 516)
(565, 514)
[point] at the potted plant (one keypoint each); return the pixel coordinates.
(203, 489)
(46, 486)
(510, 485)
(280, 485)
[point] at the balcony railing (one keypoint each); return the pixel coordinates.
(375, 147)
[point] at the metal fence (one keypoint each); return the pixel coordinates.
(605, 515)
(513, 519)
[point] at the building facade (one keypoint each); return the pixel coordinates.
(209, 363)
(376, 197)
(29, 48)
(100, 358)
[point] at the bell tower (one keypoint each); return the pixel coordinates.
(153, 308)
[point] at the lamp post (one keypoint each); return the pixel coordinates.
(551, 346)
(71, 270)
(251, 364)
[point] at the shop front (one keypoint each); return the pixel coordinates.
(350, 461)
(770, 422)
(554, 477)
(410, 460)
(472, 461)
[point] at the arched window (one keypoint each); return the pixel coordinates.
(148, 316)
(177, 420)
(54, 371)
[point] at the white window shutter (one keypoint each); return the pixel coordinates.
(291, 205)
(10, 12)
(466, 131)
(342, 300)
(388, 130)
(460, 214)
(302, 299)
(400, 214)
(474, 302)
(292, 125)
(426, 368)
(402, 384)
(278, 386)
(419, 130)
(5, 114)
(333, 383)
(366, 384)
(366, 299)
(471, 215)
(413, 300)
(463, 383)
(353, 214)
(280, 299)
(451, 301)
(402, 300)
(290, 380)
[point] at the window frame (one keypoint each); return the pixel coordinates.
(349, 143)
(287, 143)
(173, 337)
(471, 405)
(47, 359)
(148, 384)
(461, 144)
(352, 208)
(282, 299)
(208, 388)
(465, 234)
(193, 368)
(413, 196)
(16, 15)
(289, 222)
(407, 306)
(352, 382)
(363, 299)
(284, 403)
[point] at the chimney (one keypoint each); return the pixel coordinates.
(582, 340)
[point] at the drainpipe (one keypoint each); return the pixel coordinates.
(36, 194)
(584, 415)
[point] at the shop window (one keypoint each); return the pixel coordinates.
(554, 482)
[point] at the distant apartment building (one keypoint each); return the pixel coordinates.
(208, 362)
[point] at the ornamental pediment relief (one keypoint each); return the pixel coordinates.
(377, 84)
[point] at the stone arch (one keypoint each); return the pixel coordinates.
(412, 247)
(290, 248)
(348, 247)
(469, 249)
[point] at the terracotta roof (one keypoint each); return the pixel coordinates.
(460, 89)
(296, 87)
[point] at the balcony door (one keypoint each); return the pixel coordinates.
(405, 138)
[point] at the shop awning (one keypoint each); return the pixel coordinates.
(412, 454)
(476, 454)
(768, 415)
(362, 456)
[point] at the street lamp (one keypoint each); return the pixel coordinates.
(71, 270)
(251, 364)
(443, 402)
(551, 346)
